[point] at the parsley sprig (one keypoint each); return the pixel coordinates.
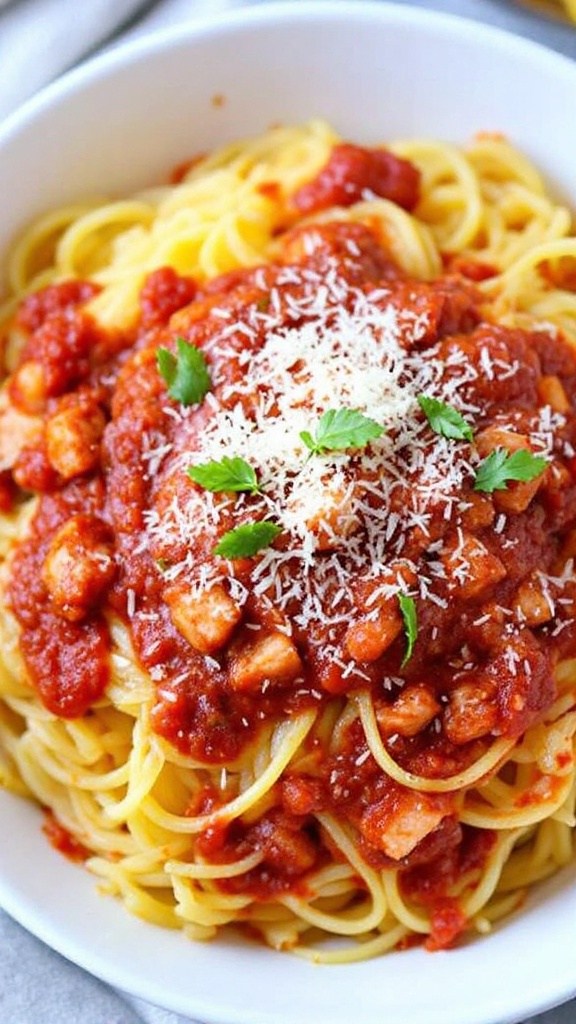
(339, 430)
(501, 466)
(227, 474)
(445, 419)
(247, 540)
(185, 373)
(408, 611)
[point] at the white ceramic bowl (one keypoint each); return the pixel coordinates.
(376, 71)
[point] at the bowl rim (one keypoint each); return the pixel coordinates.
(122, 55)
(126, 52)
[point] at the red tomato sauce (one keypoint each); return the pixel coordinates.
(353, 173)
(61, 839)
(68, 661)
(480, 671)
(197, 709)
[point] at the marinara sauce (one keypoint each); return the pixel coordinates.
(234, 643)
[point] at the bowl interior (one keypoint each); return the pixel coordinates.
(375, 71)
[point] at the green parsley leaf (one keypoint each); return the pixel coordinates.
(247, 540)
(340, 429)
(500, 466)
(444, 419)
(233, 474)
(408, 609)
(185, 373)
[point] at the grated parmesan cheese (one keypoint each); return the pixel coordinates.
(323, 343)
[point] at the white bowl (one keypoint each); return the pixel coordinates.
(375, 71)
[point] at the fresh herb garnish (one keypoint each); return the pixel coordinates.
(501, 466)
(444, 419)
(340, 429)
(408, 610)
(229, 474)
(185, 373)
(247, 540)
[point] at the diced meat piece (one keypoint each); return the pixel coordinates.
(28, 388)
(284, 845)
(397, 825)
(472, 709)
(480, 512)
(368, 637)
(506, 695)
(373, 632)
(533, 604)
(206, 620)
(302, 795)
(79, 565)
(469, 566)
(73, 436)
(551, 392)
(526, 685)
(414, 708)
(273, 659)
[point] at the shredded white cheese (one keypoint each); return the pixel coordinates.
(345, 516)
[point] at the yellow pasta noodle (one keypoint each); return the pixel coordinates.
(288, 522)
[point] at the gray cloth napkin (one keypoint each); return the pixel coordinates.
(39, 39)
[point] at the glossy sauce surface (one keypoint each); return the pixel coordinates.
(479, 667)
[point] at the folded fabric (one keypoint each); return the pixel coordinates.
(41, 38)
